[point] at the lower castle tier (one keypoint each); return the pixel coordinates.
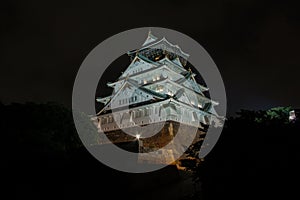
(162, 146)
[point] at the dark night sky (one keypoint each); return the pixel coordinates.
(255, 44)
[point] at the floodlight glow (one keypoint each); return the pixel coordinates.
(137, 136)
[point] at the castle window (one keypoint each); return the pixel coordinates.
(110, 119)
(103, 120)
(146, 112)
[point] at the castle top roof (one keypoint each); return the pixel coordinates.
(163, 44)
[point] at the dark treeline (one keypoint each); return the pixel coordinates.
(255, 157)
(33, 129)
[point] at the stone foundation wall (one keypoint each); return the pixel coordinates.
(156, 142)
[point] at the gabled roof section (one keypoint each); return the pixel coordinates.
(151, 38)
(160, 67)
(177, 68)
(151, 92)
(104, 100)
(129, 83)
(189, 82)
(139, 63)
(163, 44)
(203, 88)
(200, 95)
(177, 62)
(146, 59)
(213, 111)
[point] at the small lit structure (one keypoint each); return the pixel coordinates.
(294, 115)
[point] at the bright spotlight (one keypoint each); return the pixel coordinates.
(137, 136)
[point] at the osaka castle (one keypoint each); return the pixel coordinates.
(156, 88)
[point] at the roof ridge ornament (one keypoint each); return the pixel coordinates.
(150, 38)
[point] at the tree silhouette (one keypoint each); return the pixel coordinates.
(253, 156)
(32, 129)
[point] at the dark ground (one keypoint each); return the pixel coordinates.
(42, 160)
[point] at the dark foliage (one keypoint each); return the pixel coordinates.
(256, 157)
(31, 129)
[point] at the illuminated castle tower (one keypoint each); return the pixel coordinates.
(155, 88)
